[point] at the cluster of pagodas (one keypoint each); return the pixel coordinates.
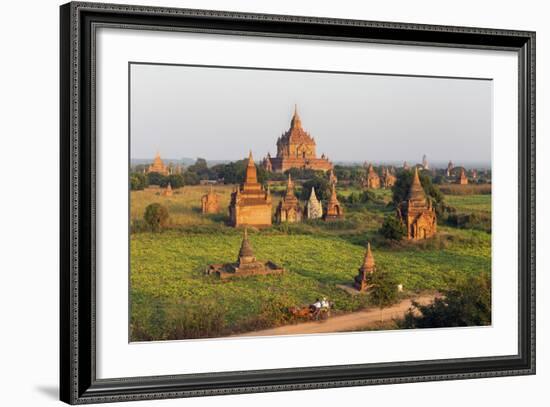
(251, 204)
(248, 265)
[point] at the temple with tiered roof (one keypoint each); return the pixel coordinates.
(250, 204)
(417, 213)
(289, 209)
(296, 149)
(158, 166)
(334, 208)
(372, 179)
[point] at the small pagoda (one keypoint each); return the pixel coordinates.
(314, 207)
(168, 190)
(210, 202)
(361, 282)
(388, 178)
(246, 265)
(334, 208)
(462, 179)
(289, 209)
(450, 168)
(372, 179)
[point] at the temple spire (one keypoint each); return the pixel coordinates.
(416, 192)
(251, 176)
(296, 121)
(368, 261)
(246, 254)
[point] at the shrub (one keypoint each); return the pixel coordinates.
(467, 303)
(383, 291)
(357, 198)
(470, 221)
(470, 189)
(156, 216)
(392, 228)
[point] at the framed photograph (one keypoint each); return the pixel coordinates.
(254, 203)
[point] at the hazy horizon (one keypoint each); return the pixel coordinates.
(220, 114)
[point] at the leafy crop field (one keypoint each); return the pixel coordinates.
(470, 203)
(172, 298)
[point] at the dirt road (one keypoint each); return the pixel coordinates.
(347, 322)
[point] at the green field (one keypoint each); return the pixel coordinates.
(470, 203)
(172, 298)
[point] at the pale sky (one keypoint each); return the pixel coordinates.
(221, 113)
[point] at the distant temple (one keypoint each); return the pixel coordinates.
(334, 208)
(158, 166)
(250, 204)
(450, 168)
(289, 209)
(372, 179)
(425, 164)
(388, 179)
(462, 179)
(296, 149)
(416, 212)
(210, 202)
(314, 207)
(246, 265)
(168, 190)
(406, 166)
(368, 267)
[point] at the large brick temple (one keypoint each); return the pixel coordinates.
(158, 166)
(296, 149)
(250, 204)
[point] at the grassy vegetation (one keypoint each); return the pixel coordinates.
(470, 203)
(470, 189)
(172, 298)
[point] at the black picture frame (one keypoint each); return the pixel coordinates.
(78, 382)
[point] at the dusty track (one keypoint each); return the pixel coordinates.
(347, 322)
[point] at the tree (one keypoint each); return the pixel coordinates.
(138, 181)
(392, 228)
(403, 184)
(322, 188)
(190, 178)
(200, 168)
(156, 216)
(466, 303)
(175, 180)
(154, 178)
